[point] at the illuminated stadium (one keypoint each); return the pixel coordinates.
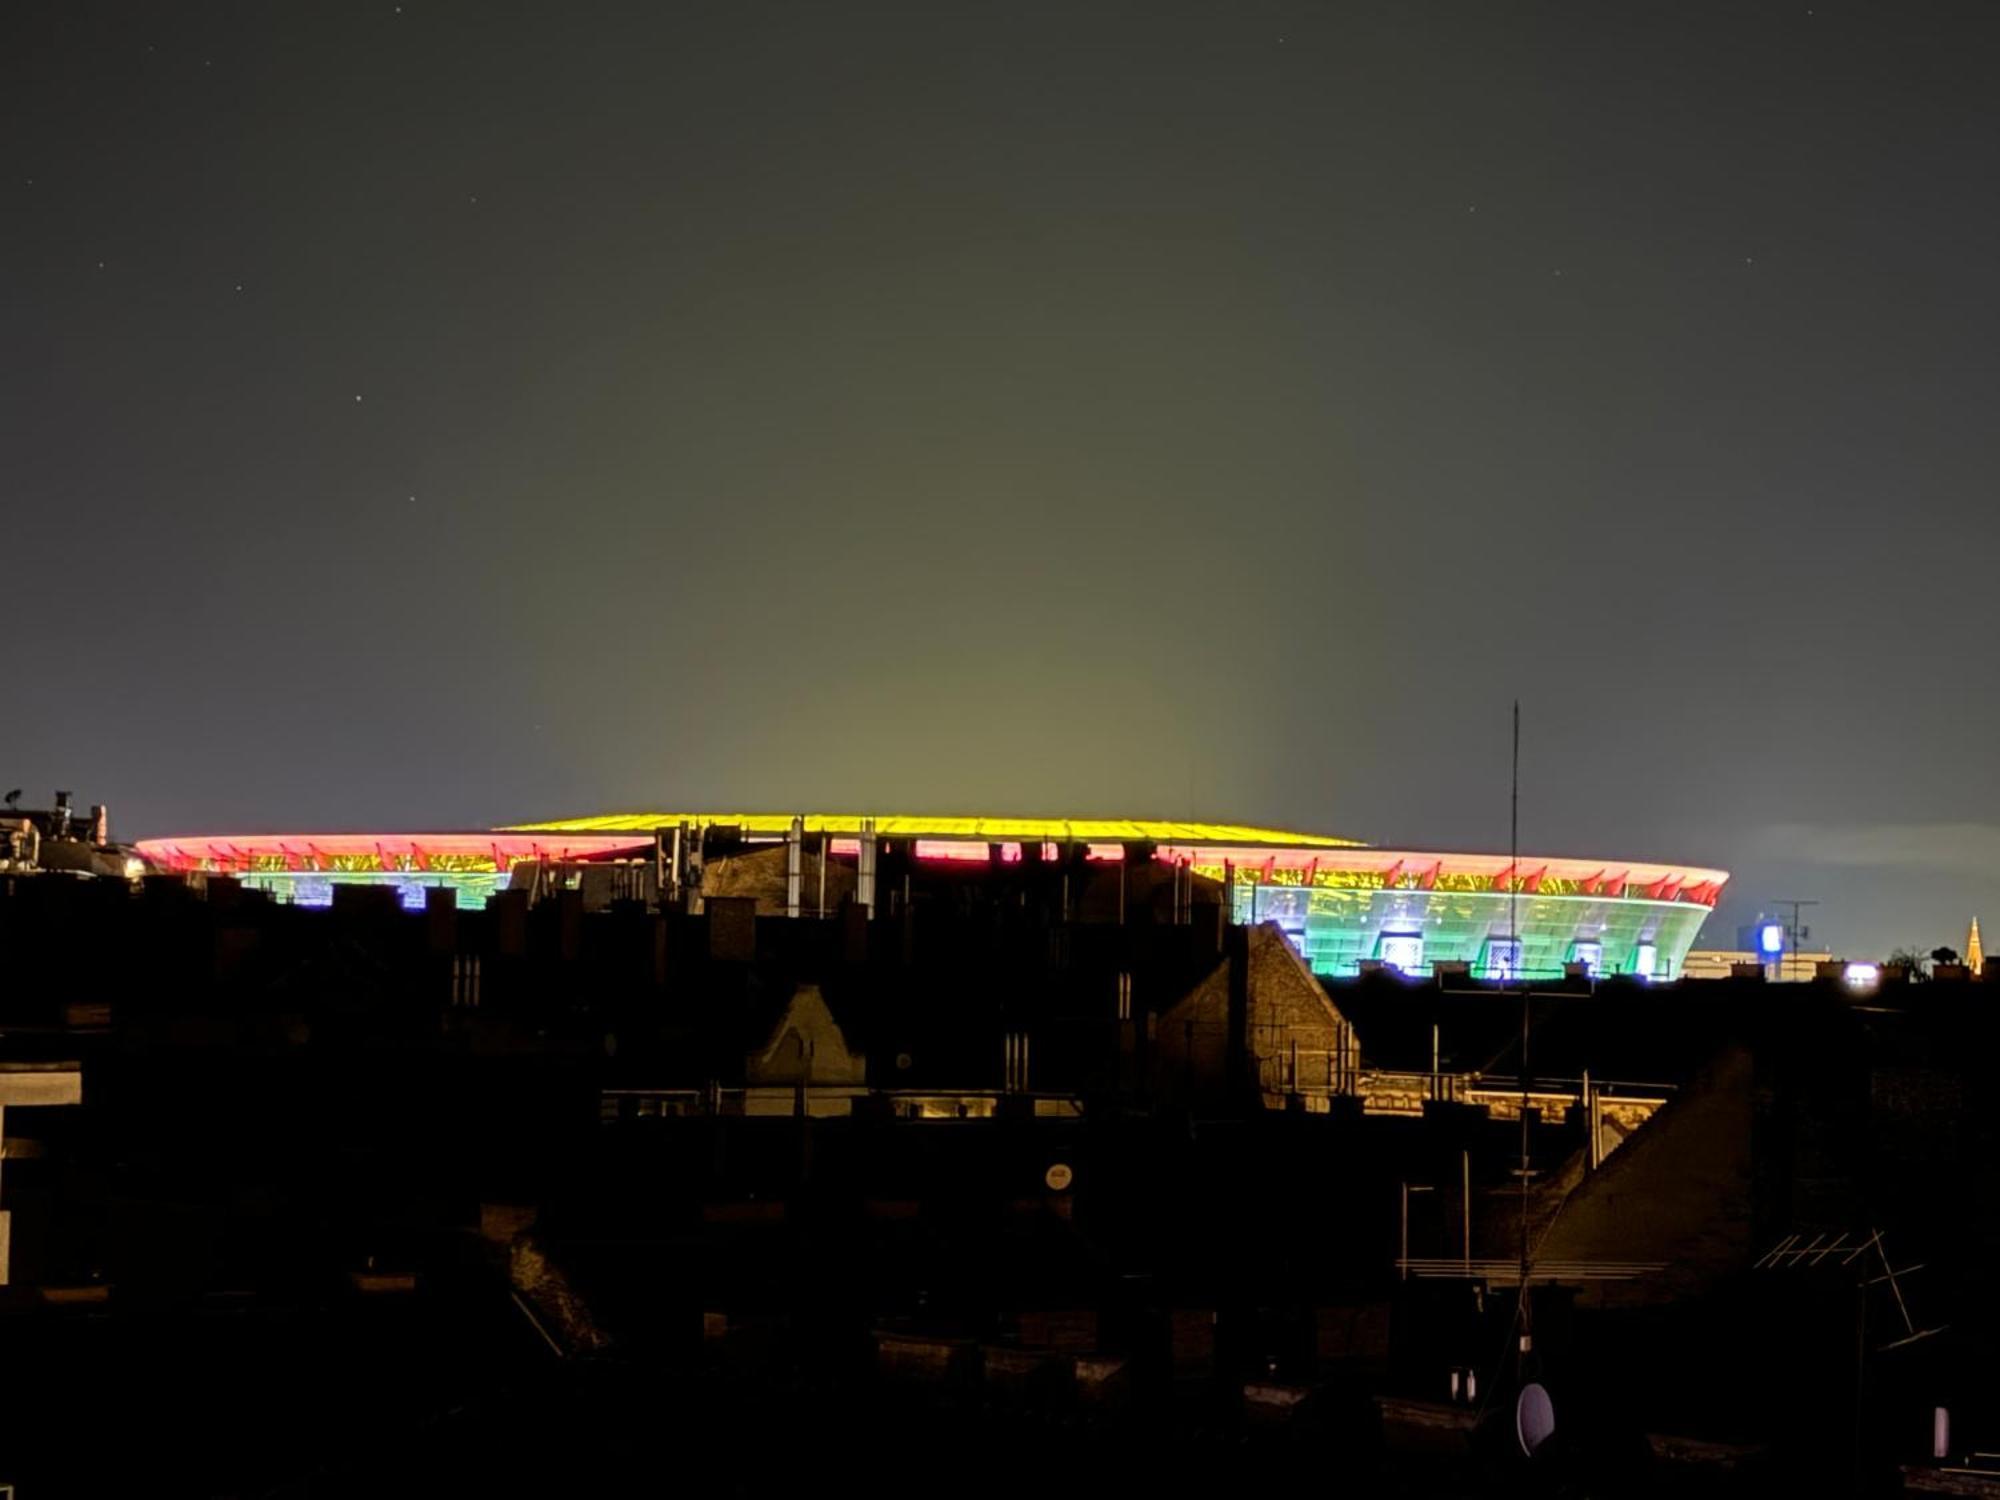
(1343, 904)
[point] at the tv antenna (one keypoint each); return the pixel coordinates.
(1795, 1252)
(1795, 933)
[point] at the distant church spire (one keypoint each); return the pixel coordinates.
(1975, 956)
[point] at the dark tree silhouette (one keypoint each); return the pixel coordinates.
(1911, 959)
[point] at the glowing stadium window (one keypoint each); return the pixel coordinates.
(1503, 958)
(956, 850)
(411, 894)
(1645, 960)
(1771, 938)
(1402, 951)
(1588, 952)
(1862, 976)
(1287, 905)
(1010, 854)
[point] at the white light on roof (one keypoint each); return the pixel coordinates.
(1863, 976)
(1403, 951)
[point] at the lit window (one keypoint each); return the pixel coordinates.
(1645, 959)
(1402, 951)
(1588, 952)
(1503, 958)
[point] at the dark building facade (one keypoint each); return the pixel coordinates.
(1010, 1141)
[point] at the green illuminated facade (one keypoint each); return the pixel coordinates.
(311, 888)
(1339, 929)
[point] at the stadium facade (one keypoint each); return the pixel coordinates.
(1343, 904)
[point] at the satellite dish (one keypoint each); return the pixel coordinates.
(1534, 1418)
(1059, 1177)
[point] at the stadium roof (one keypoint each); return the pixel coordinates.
(374, 851)
(1255, 853)
(992, 830)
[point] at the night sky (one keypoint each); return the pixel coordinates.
(432, 415)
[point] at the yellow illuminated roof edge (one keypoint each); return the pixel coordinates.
(997, 830)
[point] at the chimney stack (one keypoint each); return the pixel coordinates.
(1236, 944)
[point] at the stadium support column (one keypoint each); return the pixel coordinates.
(666, 867)
(673, 858)
(864, 879)
(795, 848)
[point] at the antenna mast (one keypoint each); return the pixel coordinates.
(1790, 965)
(1515, 966)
